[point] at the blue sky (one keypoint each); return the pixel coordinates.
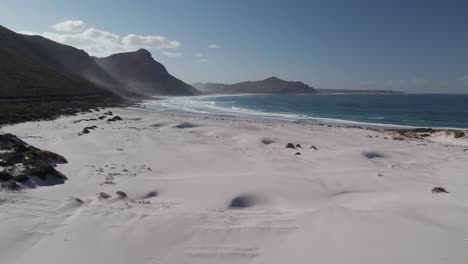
(415, 46)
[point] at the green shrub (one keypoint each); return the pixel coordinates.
(424, 130)
(458, 134)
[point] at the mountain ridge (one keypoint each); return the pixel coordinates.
(27, 72)
(34, 66)
(297, 88)
(140, 73)
(271, 85)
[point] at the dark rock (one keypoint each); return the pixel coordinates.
(115, 118)
(12, 158)
(151, 195)
(157, 125)
(101, 117)
(297, 153)
(34, 163)
(243, 201)
(298, 146)
(5, 176)
(267, 141)
(290, 145)
(109, 113)
(79, 121)
(121, 194)
(48, 156)
(103, 195)
(373, 155)
(185, 125)
(21, 178)
(438, 190)
(9, 141)
(86, 130)
(314, 147)
(43, 171)
(78, 200)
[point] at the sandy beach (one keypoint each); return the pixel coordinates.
(223, 190)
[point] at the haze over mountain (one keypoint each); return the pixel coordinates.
(272, 85)
(141, 74)
(33, 66)
(28, 70)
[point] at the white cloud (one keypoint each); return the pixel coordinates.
(102, 43)
(171, 54)
(158, 42)
(200, 57)
(70, 26)
(214, 46)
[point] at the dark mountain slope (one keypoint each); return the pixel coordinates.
(76, 61)
(33, 67)
(140, 73)
(27, 72)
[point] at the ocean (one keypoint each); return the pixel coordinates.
(374, 110)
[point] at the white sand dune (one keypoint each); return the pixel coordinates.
(219, 190)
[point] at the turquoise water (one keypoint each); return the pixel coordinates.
(412, 110)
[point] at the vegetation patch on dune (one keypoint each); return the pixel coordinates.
(421, 133)
(24, 164)
(416, 133)
(18, 111)
(456, 133)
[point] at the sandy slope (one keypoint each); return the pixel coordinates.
(359, 198)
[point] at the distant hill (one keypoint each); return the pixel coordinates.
(141, 74)
(28, 71)
(272, 85)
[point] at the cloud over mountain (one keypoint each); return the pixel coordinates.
(172, 54)
(103, 43)
(70, 26)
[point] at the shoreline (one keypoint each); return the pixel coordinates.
(332, 122)
(208, 108)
